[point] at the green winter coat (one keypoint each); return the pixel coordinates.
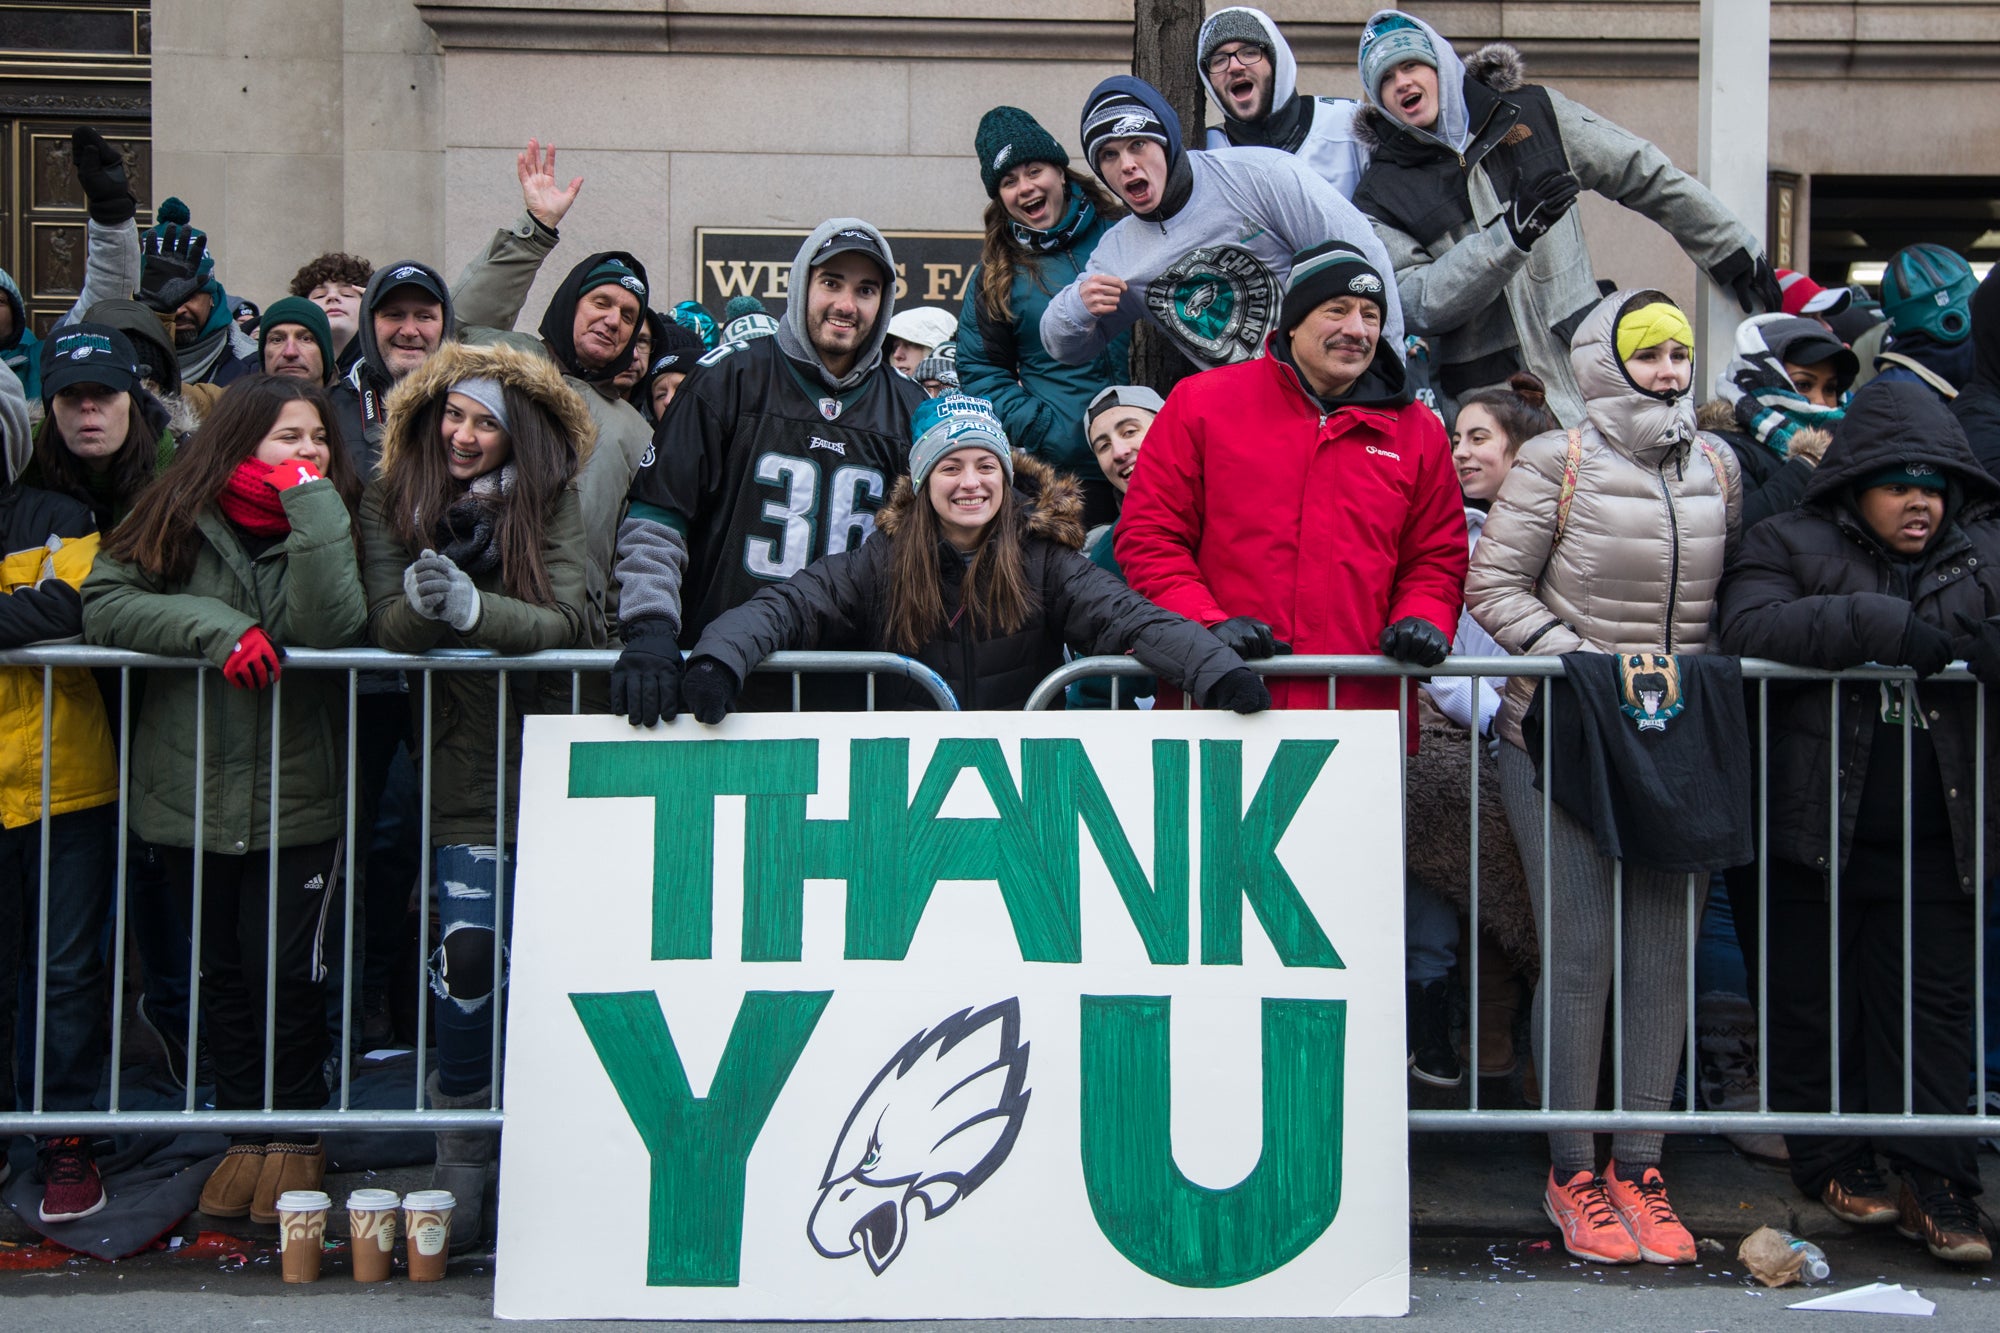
(465, 705)
(305, 592)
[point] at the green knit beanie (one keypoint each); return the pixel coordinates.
(1007, 137)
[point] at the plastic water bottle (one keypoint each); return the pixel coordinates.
(1815, 1267)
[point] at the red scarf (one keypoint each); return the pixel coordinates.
(252, 503)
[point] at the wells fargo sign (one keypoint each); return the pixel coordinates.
(927, 1016)
(932, 267)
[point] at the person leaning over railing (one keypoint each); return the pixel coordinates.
(488, 442)
(47, 542)
(1610, 539)
(245, 545)
(1893, 556)
(974, 570)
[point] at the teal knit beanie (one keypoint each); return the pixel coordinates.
(1007, 137)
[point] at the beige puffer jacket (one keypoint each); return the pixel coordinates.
(1643, 548)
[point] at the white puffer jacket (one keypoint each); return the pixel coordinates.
(1655, 508)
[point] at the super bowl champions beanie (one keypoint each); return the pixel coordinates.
(1327, 270)
(950, 422)
(1007, 137)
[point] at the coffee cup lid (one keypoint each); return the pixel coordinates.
(429, 1200)
(373, 1201)
(303, 1201)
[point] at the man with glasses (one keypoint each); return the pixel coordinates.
(1251, 77)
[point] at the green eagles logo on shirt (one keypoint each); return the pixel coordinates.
(1217, 302)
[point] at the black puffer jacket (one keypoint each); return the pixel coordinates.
(1814, 587)
(841, 602)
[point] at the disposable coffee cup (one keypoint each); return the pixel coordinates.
(371, 1232)
(302, 1233)
(427, 1229)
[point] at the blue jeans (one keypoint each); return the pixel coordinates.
(82, 851)
(1430, 934)
(462, 966)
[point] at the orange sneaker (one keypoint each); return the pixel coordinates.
(1641, 1201)
(1591, 1228)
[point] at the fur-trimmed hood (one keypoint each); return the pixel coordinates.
(1497, 65)
(536, 376)
(1050, 503)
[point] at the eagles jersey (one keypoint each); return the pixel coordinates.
(764, 470)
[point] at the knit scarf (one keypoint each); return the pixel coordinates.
(250, 501)
(1758, 389)
(469, 532)
(1076, 220)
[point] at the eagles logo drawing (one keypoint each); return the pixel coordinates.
(1216, 302)
(933, 1125)
(1649, 689)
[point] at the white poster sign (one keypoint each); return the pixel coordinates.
(890, 1016)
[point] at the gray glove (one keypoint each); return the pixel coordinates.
(437, 589)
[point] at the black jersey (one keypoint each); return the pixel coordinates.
(764, 470)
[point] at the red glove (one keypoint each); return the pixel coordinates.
(295, 473)
(255, 661)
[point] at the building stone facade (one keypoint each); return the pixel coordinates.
(389, 128)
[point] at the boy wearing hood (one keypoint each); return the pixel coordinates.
(1302, 501)
(776, 452)
(1209, 243)
(1471, 186)
(1893, 556)
(1247, 66)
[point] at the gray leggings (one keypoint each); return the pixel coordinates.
(1576, 918)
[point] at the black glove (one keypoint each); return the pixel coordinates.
(708, 690)
(1249, 639)
(100, 170)
(646, 681)
(1926, 649)
(1414, 639)
(1983, 657)
(1240, 691)
(170, 266)
(1751, 280)
(1539, 205)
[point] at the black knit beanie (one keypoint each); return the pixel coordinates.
(1007, 137)
(1327, 270)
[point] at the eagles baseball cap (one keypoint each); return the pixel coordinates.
(87, 354)
(410, 275)
(851, 235)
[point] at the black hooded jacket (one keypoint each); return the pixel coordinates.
(1977, 406)
(558, 326)
(1814, 587)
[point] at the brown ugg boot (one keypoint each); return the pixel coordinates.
(233, 1183)
(297, 1165)
(1499, 999)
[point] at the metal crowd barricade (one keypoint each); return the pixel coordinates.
(1760, 674)
(422, 669)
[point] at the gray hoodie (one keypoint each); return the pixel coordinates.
(792, 335)
(1213, 275)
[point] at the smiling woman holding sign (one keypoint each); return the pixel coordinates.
(975, 569)
(475, 540)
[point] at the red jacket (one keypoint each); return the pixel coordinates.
(1247, 501)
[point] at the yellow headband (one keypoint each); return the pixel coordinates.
(1651, 325)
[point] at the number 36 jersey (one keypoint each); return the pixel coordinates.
(764, 470)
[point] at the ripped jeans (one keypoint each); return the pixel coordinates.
(462, 968)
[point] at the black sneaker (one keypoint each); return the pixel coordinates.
(170, 1039)
(1433, 1059)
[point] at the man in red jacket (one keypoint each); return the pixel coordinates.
(1302, 501)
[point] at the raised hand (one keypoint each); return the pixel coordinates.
(545, 198)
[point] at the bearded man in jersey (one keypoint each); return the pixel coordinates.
(775, 452)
